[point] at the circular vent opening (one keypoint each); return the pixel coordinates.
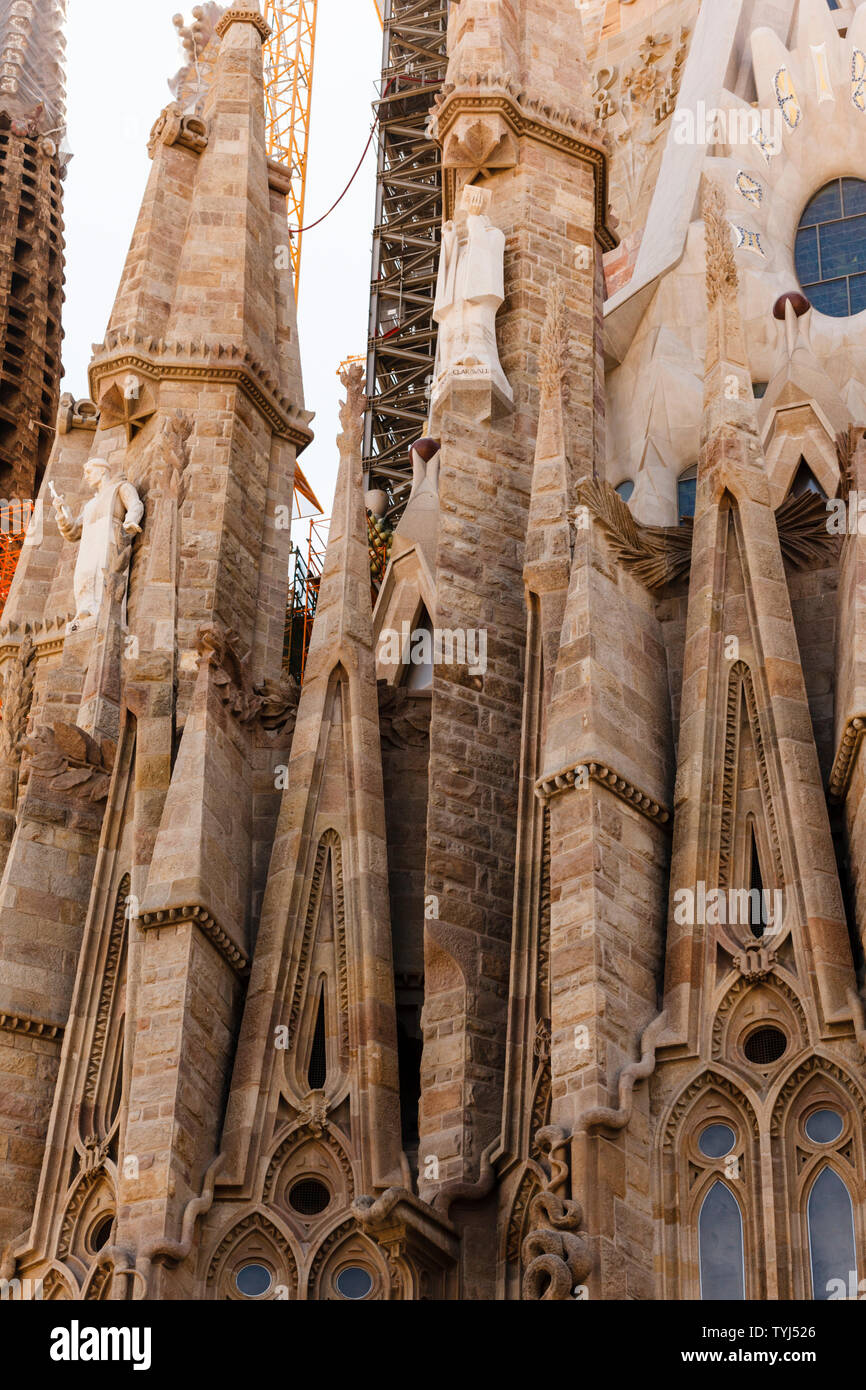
(309, 1197)
(765, 1045)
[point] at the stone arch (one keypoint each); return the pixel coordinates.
(326, 893)
(815, 1084)
(93, 1197)
(531, 1181)
(345, 1247)
(57, 1286)
(313, 1153)
(771, 998)
(256, 1238)
(685, 1175)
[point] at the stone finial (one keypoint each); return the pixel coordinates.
(352, 411)
(722, 277)
(244, 12)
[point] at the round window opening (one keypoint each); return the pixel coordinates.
(354, 1282)
(830, 249)
(716, 1141)
(823, 1126)
(253, 1281)
(100, 1233)
(765, 1045)
(309, 1197)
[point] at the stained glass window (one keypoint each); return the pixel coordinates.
(831, 1235)
(830, 251)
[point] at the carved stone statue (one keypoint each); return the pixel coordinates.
(105, 529)
(469, 294)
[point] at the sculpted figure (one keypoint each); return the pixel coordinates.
(469, 294)
(105, 529)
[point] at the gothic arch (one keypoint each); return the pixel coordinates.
(738, 998)
(328, 861)
(255, 1238)
(316, 1153)
(686, 1173)
(344, 1247)
(798, 1160)
(741, 690)
(531, 1181)
(92, 1198)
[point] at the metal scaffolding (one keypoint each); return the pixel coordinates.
(406, 240)
(289, 58)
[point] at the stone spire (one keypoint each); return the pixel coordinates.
(32, 74)
(745, 713)
(325, 937)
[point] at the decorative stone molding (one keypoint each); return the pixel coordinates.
(479, 123)
(846, 757)
(329, 849)
(707, 1080)
(48, 637)
(172, 127)
(273, 703)
(29, 1027)
(404, 718)
(236, 16)
(198, 916)
(740, 678)
(815, 1066)
(198, 361)
(739, 989)
(555, 783)
(110, 973)
(722, 277)
(261, 1225)
(556, 1258)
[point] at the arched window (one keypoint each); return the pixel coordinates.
(832, 1246)
(720, 1243)
(687, 488)
(625, 490)
(830, 250)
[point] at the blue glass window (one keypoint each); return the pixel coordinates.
(830, 250)
(625, 490)
(720, 1242)
(687, 489)
(831, 1235)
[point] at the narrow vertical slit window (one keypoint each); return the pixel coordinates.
(756, 886)
(317, 1072)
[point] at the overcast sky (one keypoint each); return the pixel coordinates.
(120, 56)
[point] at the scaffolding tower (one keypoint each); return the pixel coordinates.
(406, 241)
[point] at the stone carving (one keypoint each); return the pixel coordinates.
(173, 127)
(105, 530)
(740, 686)
(722, 277)
(469, 293)
(555, 1257)
(273, 703)
(660, 555)
(404, 719)
(329, 856)
(110, 976)
(166, 458)
(126, 403)
(76, 415)
(71, 761)
(190, 84)
(352, 411)
(554, 783)
(846, 756)
(17, 698)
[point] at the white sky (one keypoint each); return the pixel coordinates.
(120, 56)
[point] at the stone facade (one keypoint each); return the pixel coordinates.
(519, 954)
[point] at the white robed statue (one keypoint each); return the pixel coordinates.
(107, 523)
(469, 293)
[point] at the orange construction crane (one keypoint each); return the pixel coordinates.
(289, 60)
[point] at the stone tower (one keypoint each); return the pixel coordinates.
(32, 123)
(519, 955)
